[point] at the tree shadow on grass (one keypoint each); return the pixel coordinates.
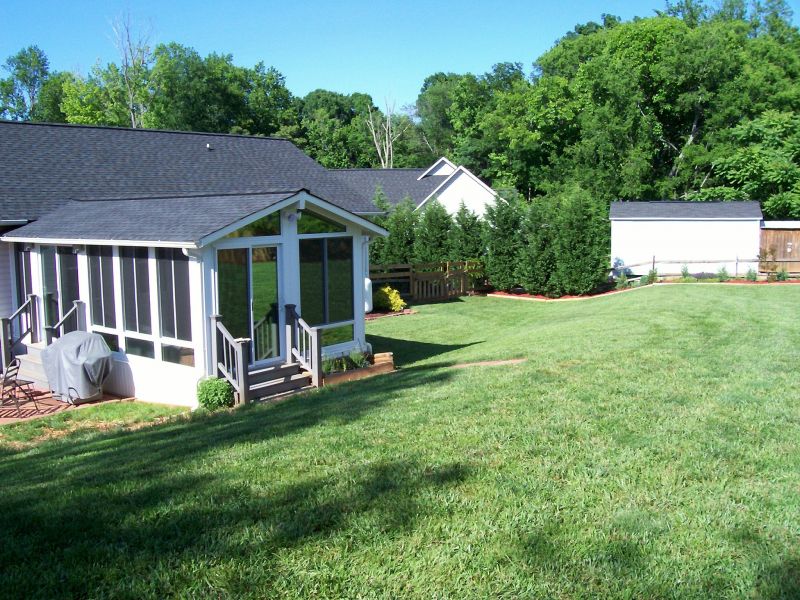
(137, 512)
(410, 351)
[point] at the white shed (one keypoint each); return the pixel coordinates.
(704, 236)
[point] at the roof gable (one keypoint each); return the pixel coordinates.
(44, 165)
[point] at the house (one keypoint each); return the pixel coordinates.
(191, 254)
(449, 184)
(704, 236)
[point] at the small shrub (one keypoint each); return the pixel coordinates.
(722, 274)
(388, 298)
(751, 274)
(651, 277)
(214, 393)
(622, 281)
(782, 274)
(356, 360)
(685, 272)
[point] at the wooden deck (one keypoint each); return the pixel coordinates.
(48, 405)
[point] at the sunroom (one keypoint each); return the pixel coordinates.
(253, 287)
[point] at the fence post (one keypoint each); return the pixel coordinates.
(737, 267)
(215, 318)
(654, 263)
(33, 316)
(289, 328)
(5, 343)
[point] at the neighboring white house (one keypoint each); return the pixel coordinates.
(705, 236)
(191, 254)
(449, 184)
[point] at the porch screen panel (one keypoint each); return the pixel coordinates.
(101, 286)
(173, 294)
(49, 284)
(68, 269)
(136, 289)
(339, 273)
(22, 260)
(312, 281)
(266, 334)
(234, 290)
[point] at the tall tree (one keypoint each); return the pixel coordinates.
(28, 71)
(135, 64)
(385, 131)
(466, 235)
(431, 243)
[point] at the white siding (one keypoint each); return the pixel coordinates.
(704, 245)
(6, 280)
(464, 188)
(441, 169)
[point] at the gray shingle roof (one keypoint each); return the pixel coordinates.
(397, 184)
(671, 209)
(181, 220)
(43, 165)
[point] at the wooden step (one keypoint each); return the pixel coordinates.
(265, 389)
(260, 375)
(31, 367)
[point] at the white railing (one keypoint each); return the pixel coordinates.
(231, 357)
(304, 343)
(77, 312)
(24, 321)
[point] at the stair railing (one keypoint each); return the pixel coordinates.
(25, 320)
(304, 343)
(78, 312)
(231, 357)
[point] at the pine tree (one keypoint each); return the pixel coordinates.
(399, 244)
(537, 256)
(378, 244)
(466, 235)
(504, 241)
(433, 234)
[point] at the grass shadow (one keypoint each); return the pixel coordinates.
(410, 351)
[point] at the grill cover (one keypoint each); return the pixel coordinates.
(77, 365)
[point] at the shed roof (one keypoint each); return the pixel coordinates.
(42, 166)
(673, 209)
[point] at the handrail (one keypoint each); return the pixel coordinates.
(25, 326)
(304, 343)
(54, 331)
(234, 358)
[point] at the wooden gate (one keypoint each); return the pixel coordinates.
(784, 246)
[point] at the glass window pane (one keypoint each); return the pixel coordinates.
(135, 289)
(50, 284)
(340, 279)
(337, 335)
(139, 347)
(23, 264)
(111, 339)
(68, 270)
(101, 286)
(143, 290)
(183, 303)
(269, 225)
(233, 280)
(107, 274)
(312, 281)
(178, 355)
(311, 222)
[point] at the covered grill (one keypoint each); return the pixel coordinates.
(77, 365)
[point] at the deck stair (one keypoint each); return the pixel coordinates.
(272, 381)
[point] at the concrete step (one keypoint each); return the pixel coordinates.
(30, 367)
(274, 387)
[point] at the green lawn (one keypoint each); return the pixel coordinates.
(648, 447)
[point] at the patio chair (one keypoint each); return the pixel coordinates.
(12, 388)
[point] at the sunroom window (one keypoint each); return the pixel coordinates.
(101, 286)
(268, 225)
(311, 222)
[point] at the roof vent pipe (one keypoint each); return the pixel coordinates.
(208, 147)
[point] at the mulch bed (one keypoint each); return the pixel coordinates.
(540, 298)
(378, 315)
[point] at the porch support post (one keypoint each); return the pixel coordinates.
(316, 357)
(33, 316)
(5, 343)
(214, 340)
(80, 314)
(290, 316)
(243, 376)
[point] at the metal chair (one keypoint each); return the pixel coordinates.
(16, 389)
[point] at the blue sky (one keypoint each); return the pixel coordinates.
(383, 48)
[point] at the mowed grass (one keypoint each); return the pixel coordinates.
(649, 447)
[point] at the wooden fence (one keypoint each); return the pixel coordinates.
(429, 281)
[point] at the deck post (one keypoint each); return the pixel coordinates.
(80, 314)
(243, 374)
(5, 343)
(289, 328)
(316, 355)
(215, 318)
(33, 315)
